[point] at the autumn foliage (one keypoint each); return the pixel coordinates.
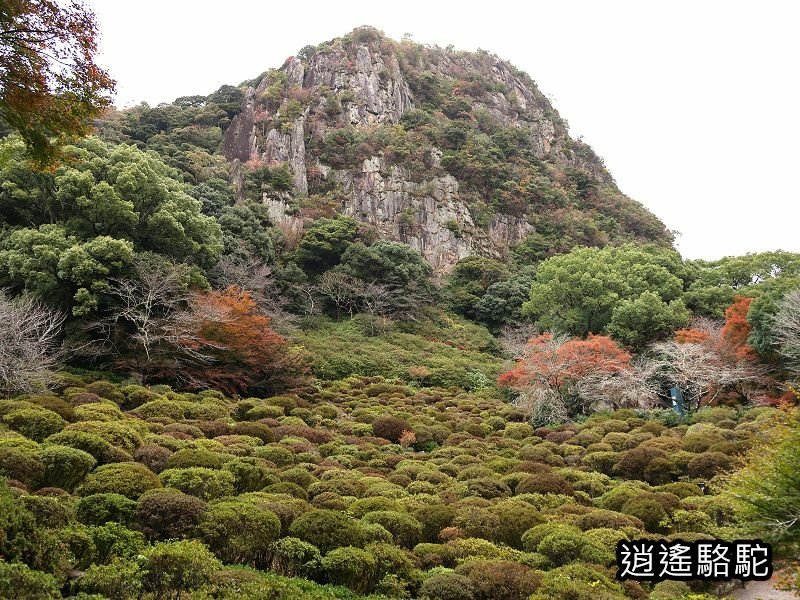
(50, 86)
(731, 340)
(557, 363)
(245, 353)
(691, 336)
(737, 328)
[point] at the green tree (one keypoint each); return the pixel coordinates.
(324, 243)
(715, 283)
(56, 266)
(73, 229)
(634, 322)
(386, 262)
(502, 303)
(578, 292)
(469, 282)
(764, 308)
(248, 232)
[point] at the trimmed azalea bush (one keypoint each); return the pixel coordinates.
(127, 479)
(239, 532)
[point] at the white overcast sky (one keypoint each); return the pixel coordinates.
(694, 105)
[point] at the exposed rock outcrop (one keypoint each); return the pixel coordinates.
(366, 83)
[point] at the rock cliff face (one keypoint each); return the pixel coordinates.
(359, 122)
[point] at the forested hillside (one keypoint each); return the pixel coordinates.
(371, 323)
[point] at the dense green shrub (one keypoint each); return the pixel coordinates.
(562, 546)
(500, 579)
(433, 519)
(600, 519)
(113, 540)
(515, 518)
(20, 582)
(64, 467)
(447, 586)
(578, 582)
(126, 434)
(534, 536)
(390, 427)
(97, 509)
(405, 529)
(20, 464)
(349, 566)
(122, 579)
(172, 567)
(167, 514)
(708, 464)
(294, 557)
(256, 430)
(250, 474)
(49, 512)
(648, 510)
(544, 483)
(128, 479)
(190, 457)
(153, 457)
(56, 404)
(102, 450)
(326, 529)
(34, 423)
(240, 532)
(206, 484)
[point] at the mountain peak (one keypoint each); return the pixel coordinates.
(454, 153)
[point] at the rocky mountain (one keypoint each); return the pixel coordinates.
(453, 153)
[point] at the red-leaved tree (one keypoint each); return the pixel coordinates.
(244, 354)
(555, 361)
(691, 336)
(737, 328)
(559, 377)
(50, 85)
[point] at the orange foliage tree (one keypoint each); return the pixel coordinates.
(50, 85)
(555, 361)
(558, 377)
(242, 353)
(737, 328)
(713, 363)
(691, 336)
(729, 341)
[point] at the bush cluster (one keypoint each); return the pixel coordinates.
(475, 504)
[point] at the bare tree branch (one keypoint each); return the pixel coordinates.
(30, 346)
(514, 340)
(702, 369)
(786, 329)
(257, 279)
